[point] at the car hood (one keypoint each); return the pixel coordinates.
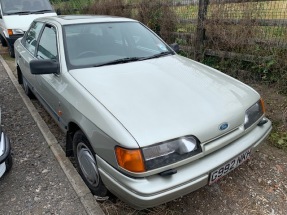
(22, 21)
(168, 97)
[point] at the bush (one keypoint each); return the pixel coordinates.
(159, 16)
(109, 7)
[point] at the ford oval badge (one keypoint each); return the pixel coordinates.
(223, 126)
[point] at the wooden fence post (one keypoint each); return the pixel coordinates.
(200, 30)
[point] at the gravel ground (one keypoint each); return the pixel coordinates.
(36, 184)
(259, 186)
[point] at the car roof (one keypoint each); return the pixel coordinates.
(78, 19)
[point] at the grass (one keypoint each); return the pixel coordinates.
(186, 12)
(186, 27)
(279, 32)
(253, 10)
(250, 10)
(279, 139)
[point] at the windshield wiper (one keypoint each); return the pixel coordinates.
(41, 11)
(20, 12)
(157, 55)
(131, 59)
(119, 61)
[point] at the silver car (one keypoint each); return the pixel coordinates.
(143, 122)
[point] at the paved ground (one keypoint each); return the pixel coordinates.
(36, 184)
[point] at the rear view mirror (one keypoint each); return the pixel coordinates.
(41, 67)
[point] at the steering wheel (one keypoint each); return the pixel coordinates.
(86, 54)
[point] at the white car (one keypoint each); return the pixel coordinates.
(5, 155)
(143, 122)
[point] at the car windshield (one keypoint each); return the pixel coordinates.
(101, 44)
(13, 7)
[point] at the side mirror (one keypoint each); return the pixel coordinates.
(41, 67)
(175, 47)
(58, 11)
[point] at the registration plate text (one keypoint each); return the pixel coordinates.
(229, 166)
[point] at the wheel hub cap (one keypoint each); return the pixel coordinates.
(88, 164)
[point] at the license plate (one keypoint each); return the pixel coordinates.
(229, 166)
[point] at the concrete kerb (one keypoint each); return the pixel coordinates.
(87, 199)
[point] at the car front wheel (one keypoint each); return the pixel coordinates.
(87, 164)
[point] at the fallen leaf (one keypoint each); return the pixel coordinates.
(270, 190)
(279, 168)
(277, 185)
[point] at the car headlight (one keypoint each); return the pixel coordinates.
(254, 113)
(15, 31)
(170, 152)
(159, 155)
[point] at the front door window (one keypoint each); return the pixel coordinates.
(47, 48)
(30, 41)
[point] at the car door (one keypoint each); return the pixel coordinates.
(27, 53)
(49, 86)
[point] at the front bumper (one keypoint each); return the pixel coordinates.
(5, 150)
(154, 190)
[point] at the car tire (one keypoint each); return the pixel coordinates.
(3, 41)
(26, 88)
(11, 52)
(8, 163)
(19, 75)
(87, 164)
